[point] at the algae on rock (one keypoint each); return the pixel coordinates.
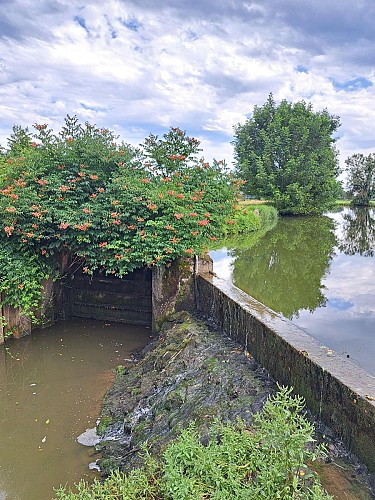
(189, 373)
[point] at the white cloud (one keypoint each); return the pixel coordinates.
(139, 67)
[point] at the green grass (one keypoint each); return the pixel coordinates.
(348, 203)
(254, 203)
(266, 461)
(246, 203)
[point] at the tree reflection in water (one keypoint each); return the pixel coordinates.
(358, 232)
(284, 269)
(318, 272)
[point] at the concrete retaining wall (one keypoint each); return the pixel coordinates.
(341, 394)
(15, 322)
(172, 290)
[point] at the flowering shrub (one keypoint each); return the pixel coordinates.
(115, 207)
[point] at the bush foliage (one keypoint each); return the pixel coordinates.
(112, 206)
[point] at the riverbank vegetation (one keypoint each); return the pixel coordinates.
(250, 218)
(113, 207)
(259, 219)
(267, 460)
(349, 203)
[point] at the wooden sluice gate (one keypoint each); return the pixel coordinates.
(108, 298)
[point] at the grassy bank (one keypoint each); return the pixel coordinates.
(348, 203)
(252, 217)
(253, 221)
(340, 203)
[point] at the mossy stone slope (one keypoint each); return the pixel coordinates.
(190, 372)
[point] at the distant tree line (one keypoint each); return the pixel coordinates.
(361, 178)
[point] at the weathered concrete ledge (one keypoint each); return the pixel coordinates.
(341, 394)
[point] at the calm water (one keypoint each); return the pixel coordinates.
(51, 387)
(317, 271)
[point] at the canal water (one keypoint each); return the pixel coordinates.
(52, 384)
(319, 272)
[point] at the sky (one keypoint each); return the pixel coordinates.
(141, 66)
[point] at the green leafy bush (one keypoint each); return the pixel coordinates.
(111, 206)
(266, 461)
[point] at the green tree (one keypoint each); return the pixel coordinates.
(361, 178)
(286, 153)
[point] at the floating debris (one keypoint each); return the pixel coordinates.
(89, 437)
(94, 466)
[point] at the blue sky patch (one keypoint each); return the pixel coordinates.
(132, 24)
(192, 36)
(341, 305)
(301, 69)
(352, 85)
(92, 108)
(80, 20)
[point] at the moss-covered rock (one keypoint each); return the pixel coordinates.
(189, 372)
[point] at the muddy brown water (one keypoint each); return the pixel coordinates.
(52, 384)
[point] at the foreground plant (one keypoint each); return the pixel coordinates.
(266, 461)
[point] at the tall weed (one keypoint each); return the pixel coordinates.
(266, 461)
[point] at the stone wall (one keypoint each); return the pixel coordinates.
(338, 392)
(14, 322)
(1, 326)
(172, 290)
